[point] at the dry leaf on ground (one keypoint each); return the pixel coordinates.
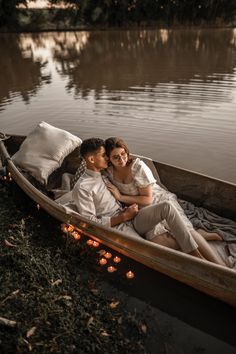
(90, 321)
(9, 244)
(30, 332)
(144, 328)
(105, 334)
(57, 282)
(113, 305)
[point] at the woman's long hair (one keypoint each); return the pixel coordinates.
(113, 143)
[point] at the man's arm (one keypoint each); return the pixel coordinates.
(126, 215)
(85, 205)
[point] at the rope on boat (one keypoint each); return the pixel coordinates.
(4, 136)
(3, 160)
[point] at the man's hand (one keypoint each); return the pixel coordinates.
(130, 212)
(126, 215)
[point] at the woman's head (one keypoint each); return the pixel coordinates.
(117, 152)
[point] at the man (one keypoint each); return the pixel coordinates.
(95, 201)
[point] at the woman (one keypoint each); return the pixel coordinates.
(133, 182)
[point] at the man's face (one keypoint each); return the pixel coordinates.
(100, 159)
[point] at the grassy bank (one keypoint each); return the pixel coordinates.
(50, 292)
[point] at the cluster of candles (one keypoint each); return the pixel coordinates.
(7, 177)
(105, 255)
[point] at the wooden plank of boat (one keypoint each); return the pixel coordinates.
(212, 279)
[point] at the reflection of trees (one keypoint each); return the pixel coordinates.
(115, 60)
(62, 47)
(20, 74)
(120, 60)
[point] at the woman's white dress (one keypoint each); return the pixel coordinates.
(143, 177)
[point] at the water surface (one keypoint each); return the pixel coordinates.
(170, 93)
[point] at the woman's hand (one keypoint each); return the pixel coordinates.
(114, 190)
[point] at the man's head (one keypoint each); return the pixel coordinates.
(94, 153)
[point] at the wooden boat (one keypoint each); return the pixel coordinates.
(213, 194)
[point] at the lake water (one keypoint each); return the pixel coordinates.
(171, 94)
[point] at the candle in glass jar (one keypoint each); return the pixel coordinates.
(129, 274)
(70, 228)
(111, 269)
(108, 255)
(103, 261)
(63, 228)
(76, 235)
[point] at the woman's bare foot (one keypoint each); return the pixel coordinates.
(210, 236)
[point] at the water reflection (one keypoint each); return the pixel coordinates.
(170, 93)
(21, 75)
(123, 60)
(54, 45)
(116, 60)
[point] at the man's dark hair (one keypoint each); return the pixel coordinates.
(90, 146)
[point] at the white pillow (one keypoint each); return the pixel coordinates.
(44, 150)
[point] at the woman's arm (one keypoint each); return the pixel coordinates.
(143, 199)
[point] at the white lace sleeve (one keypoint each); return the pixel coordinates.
(142, 174)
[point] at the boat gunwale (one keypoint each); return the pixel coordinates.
(187, 170)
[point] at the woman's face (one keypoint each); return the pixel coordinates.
(119, 157)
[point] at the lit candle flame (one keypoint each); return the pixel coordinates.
(103, 261)
(117, 259)
(70, 228)
(111, 269)
(63, 228)
(129, 274)
(38, 206)
(95, 244)
(108, 255)
(90, 242)
(76, 235)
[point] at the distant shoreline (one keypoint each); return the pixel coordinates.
(120, 28)
(95, 16)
